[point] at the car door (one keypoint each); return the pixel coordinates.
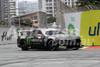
(49, 33)
(37, 37)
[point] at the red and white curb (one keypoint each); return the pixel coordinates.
(91, 47)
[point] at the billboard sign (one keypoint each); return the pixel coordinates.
(72, 21)
(86, 25)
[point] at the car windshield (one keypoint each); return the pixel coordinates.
(54, 32)
(58, 32)
(23, 33)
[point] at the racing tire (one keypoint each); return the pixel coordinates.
(18, 44)
(18, 40)
(77, 46)
(24, 46)
(69, 46)
(50, 46)
(57, 47)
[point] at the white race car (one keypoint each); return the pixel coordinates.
(51, 39)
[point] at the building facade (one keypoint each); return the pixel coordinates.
(61, 10)
(37, 18)
(49, 6)
(70, 3)
(12, 7)
(27, 7)
(3, 9)
(7, 10)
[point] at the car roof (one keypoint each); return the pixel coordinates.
(46, 29)
(42, 29)
(24, 30)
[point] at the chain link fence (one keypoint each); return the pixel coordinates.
(61, 9)
(88, 8)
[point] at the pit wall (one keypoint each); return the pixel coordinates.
(86, 25)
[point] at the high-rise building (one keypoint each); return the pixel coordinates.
(7, 10)
(26, 7)
(3, 9)
(70, 2)
(49, 6)
(12, 7)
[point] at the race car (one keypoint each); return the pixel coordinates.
(50, 39)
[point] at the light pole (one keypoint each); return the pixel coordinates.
(19, 13)
(61, 12)
(19, 17)
(9, 17)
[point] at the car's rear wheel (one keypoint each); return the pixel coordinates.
(50, 45)
(18, 42)
(75, 48)
(24, 46)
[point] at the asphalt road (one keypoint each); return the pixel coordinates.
(12, 56)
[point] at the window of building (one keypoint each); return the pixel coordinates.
(49, 15)
(46, 0)
(50, 0)
(49, 7)
(46, 7)
(66, 3)
(54, 7)
(72, 0)
(73, 3)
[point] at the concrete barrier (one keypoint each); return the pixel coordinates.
(8, 35)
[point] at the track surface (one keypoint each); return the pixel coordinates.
(12, 56)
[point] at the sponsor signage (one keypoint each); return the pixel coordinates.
(86, 25)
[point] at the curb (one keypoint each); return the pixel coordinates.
(91, 47)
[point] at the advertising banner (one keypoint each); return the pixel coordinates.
(72, 21)
(90, 22)
(86, 25)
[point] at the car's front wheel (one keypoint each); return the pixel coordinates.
(24, 46)
(50, 45)
(77, 46)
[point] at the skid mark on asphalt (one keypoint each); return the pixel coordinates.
(60, 62)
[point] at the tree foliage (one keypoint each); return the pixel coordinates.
(2, 22)
(51, 20)
(88, 2)
(28, 21)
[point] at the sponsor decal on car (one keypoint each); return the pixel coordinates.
(36, 40)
